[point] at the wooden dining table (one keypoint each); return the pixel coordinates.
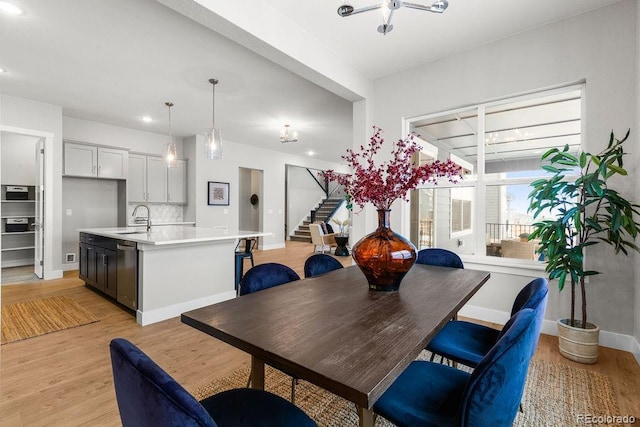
(334, 332)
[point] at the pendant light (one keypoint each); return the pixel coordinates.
(286, 137)
(213, 140)
(171, 153)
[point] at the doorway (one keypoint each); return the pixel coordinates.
(22, 167)
(250, 202)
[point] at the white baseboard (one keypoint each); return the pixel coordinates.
(70, 266)
(636, 350)
(549, 327)
(53, 274)
(164, 313)
(484, 314)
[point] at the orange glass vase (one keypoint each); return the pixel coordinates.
(384, 256)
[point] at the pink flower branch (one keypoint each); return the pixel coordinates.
(382, 184)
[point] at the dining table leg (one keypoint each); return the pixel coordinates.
(257, 373)
(366, 417)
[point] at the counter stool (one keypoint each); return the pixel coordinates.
(250, 244)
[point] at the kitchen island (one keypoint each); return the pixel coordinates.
(178, 268)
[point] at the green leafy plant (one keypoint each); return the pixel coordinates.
(584, 212)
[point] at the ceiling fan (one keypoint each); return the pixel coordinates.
(388, 7)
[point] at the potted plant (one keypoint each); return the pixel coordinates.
(581, 212)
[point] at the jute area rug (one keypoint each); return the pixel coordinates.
(555, 394)
(42, 316)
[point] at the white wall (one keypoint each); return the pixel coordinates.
(597, 47)
(93, 204)
(304, 194)
(244, 193)
(226, 170)
(636, 160)
(257, 187)
(250, 182)
(27, 114)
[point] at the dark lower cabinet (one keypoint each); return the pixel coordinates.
(83, 264)
(106, 264)
(98, 263)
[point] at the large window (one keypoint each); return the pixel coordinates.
(499, 145)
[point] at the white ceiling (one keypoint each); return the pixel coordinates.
(115, 61)
(418, 36)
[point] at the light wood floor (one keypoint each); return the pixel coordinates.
(64, 378)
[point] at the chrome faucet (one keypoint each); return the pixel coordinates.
(148, 215)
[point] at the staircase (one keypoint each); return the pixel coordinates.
(322, 213)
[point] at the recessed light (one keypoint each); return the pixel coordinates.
(311, 153)
(10, 8)
(147, 119)
(3, 70)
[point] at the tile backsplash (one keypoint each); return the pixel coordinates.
(159, 213)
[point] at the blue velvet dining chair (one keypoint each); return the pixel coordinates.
(264, 276)
(467, 343)
(149, 397)
(319, 264)
(431, 394)
(439, 257)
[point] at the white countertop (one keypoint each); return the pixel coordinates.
(171, 235)
(156, 224)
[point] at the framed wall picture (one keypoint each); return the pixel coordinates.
(218, 193)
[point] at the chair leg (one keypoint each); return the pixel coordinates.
(520, 408)
(294, 381)
(433, 355)
(249, 381)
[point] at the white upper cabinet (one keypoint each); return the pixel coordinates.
(112, 163)
(151, 181)
(80, 160)
(156, 180)
(95, 162)
(177, 183)
(137, 180)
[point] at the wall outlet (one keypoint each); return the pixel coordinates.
(71, 257)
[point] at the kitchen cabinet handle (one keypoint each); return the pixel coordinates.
(104, 260)
(99, 170)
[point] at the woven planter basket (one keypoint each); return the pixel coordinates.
(577, 344)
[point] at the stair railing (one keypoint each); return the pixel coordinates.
(333, 212)
(324, 186)
(314, 212)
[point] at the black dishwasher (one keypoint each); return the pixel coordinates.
(127, 272)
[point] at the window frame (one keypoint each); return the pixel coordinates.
(463, 231)
(480, 180)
